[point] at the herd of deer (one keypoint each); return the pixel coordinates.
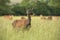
(49, 17)
(23, 22)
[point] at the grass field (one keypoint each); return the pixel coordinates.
(40, 30)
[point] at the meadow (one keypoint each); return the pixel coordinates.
(40, 30)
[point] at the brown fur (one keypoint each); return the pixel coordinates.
(20, 23)
(50, 17)
(8, 17)
(43, 17)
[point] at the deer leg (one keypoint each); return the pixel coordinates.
(28, 26)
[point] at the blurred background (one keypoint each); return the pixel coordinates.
(18, 7)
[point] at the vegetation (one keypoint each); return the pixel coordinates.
(5, 7)
(40, 30)
(47, 7)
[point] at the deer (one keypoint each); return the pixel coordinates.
(50, 17)
(8, 17)
(23, 22)
(42, 17)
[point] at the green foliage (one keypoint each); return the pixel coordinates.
(4, 2)
(4, 7)
(25, 3)
(38, 7)
(44, 7)
(55, 3)
(18, 10)
(55, 11)
(41, 8)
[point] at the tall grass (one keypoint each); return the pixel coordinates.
(40, 30)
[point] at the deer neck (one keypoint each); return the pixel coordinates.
(29, 17)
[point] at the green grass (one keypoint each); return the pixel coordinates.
(40, 30)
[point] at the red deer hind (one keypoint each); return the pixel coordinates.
(23, 23)
(20, 23)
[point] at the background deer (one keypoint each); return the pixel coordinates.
(10, 17)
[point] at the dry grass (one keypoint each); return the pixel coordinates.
(40, 30)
